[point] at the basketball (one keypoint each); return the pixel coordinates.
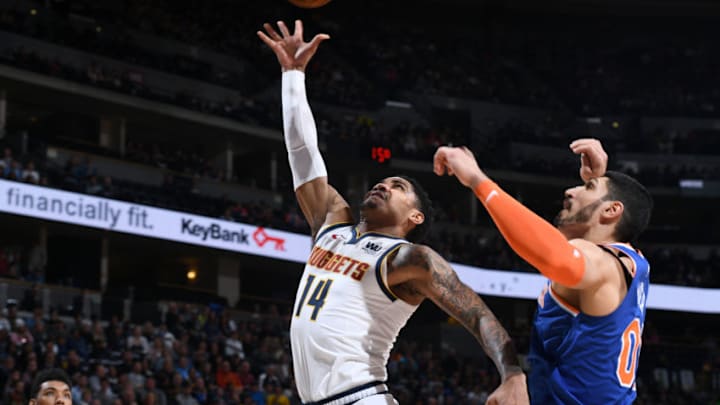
(309, 3)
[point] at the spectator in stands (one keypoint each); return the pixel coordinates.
(8, 363)
(275, 395)
(6, 161)
(15, 392)
(11, 311)
(79, 387)
(136, 377)
(31, 298)
(106, 393)
(245, 375)
(37, 261)
(95, 380)
(30, 175)
(93, 187)
(233, 346)
(138, 343)
(199, 391)
(150, 388)
(107, 187)
(21, 336)
(74, 362)
(184, 368)
(127, 394)
(185, 397)
(14, 171)
(227, 378)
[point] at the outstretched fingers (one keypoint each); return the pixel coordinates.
(269, 42)
(317, 39)
(283, 29)
(298, 29)
(271, 31)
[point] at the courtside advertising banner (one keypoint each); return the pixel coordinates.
(119, 216)
(112, 215)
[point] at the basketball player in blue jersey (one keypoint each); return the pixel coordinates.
(587, 330)
(364, 280)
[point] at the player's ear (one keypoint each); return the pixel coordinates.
(417, 217)
(613, 211)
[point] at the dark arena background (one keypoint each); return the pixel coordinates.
(150, 240)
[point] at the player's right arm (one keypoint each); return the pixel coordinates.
(319, 202)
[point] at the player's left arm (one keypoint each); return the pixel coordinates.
(428, 275)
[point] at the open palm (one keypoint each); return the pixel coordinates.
(291, 50)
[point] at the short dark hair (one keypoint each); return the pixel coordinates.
(637, 201)
(424, 204)
(52, 374)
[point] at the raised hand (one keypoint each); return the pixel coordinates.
(291, 50)
(458, 162)
(593, 159)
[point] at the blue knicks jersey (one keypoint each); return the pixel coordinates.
(581, 359)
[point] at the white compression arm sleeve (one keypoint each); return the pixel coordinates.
(301, 142)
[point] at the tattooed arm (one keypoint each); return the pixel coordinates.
(418, 272)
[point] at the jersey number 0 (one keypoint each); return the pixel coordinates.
(317, 298)
(627, 361)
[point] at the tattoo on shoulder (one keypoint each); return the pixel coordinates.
(418, 256)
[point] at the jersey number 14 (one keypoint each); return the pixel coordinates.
(317, 298)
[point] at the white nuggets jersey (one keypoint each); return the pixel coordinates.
(345, 318)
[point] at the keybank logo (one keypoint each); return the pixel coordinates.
(214, 231)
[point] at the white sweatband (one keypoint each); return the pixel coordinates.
(301, 142)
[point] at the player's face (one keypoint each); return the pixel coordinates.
(581, 203)
(393, 195)
(53, 393)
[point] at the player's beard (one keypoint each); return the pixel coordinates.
(580, 217)
(368, 203)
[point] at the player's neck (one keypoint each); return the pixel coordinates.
(365, 226)
(599, 234)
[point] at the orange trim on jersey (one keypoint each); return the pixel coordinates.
(563, 304)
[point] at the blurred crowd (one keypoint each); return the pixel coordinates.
(190, 161)
(589, 74)
(200, 354)
(19, 168)
(130, 82)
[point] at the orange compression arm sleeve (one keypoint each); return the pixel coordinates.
(531, 237)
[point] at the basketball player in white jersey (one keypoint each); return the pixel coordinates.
(364, 280)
